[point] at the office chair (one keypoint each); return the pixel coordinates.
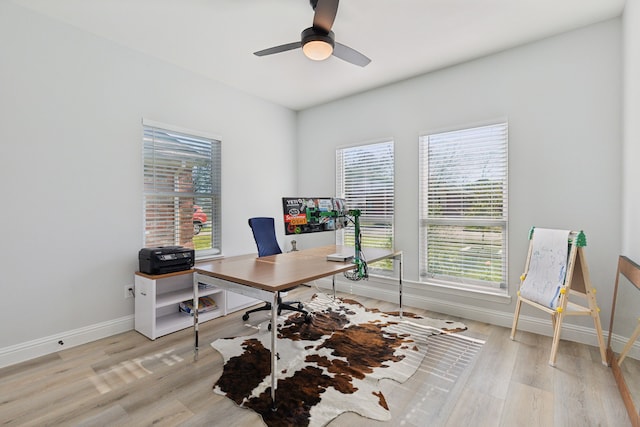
(264, 233)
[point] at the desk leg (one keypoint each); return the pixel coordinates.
(333, 285)
(400, 284)
(196, 303)
(274, 351)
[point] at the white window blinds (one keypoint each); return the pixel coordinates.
(181, 190)
(463, 206)
(365, 178)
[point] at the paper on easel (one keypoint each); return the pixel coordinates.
(547, 267)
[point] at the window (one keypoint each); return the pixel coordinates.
(364, 177)
(181, 189)
(463, 206)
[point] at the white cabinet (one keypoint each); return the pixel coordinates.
(158, 298)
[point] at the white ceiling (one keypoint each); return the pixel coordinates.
(403, 38)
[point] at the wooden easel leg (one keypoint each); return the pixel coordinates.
(590, 294)
(516, 314)
(593, 305)
(601, 344)
(557, 327)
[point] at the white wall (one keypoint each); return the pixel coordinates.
(631, 150)
(71, 106)
(562, 99)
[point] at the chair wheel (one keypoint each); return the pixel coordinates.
(269, 327)
(245, 317)
(308, 318)
(300, 306)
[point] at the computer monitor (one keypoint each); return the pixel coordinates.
(313, 214)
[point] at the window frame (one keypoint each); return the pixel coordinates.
(465, 225)
(385, 206)
(210, 200)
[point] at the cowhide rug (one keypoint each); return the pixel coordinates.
(329, 366)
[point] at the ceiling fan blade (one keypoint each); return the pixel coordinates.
(350, 55)
(325, 14)
(278, 49)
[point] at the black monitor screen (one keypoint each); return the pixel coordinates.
(312, 214)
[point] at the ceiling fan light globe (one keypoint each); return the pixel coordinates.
(317, 50)
(317, 44)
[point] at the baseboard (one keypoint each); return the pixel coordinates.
(389, 292)
(53, 343)
(618, 342)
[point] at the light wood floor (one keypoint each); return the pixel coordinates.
(129, 380)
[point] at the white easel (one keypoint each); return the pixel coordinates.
(576, 283)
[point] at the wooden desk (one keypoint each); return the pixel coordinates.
(264, 278)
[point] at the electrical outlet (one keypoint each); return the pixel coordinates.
(129, 291)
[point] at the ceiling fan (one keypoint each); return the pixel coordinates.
(318, 41)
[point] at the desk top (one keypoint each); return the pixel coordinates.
(283, 271)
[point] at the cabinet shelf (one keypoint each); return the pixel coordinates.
(175, 321)
(177, 296)
(158, 298)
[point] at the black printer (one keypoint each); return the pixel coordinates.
(165, 259)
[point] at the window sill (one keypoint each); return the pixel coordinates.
(498, 295)
(209, 258)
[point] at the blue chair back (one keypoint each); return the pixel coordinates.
(264, 233)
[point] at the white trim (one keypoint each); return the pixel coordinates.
(483, 293)
(165, 126)
(364, 143)
(468, 125)
(51, 344)
(618, 342)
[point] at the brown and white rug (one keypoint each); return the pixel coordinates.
(329, 366)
